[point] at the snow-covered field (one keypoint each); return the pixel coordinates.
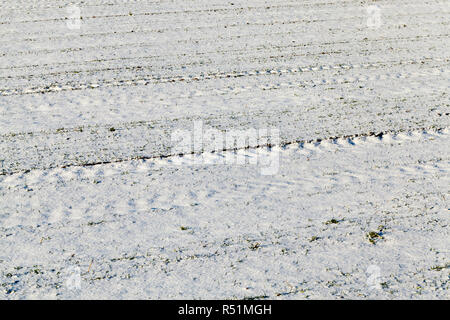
(109, 186)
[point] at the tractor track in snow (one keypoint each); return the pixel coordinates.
(235, 74)
(314, 142)
(295, 23)
(151, 3)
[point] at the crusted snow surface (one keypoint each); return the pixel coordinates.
(349, 201)
(335, 212)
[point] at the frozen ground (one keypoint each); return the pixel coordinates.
(95, 203)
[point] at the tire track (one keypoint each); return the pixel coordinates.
(192, 12)
(251, 56)
(146, 44)
(206, 10)
(209, 27)
(222, 75)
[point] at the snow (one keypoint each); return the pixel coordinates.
(349, 201)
